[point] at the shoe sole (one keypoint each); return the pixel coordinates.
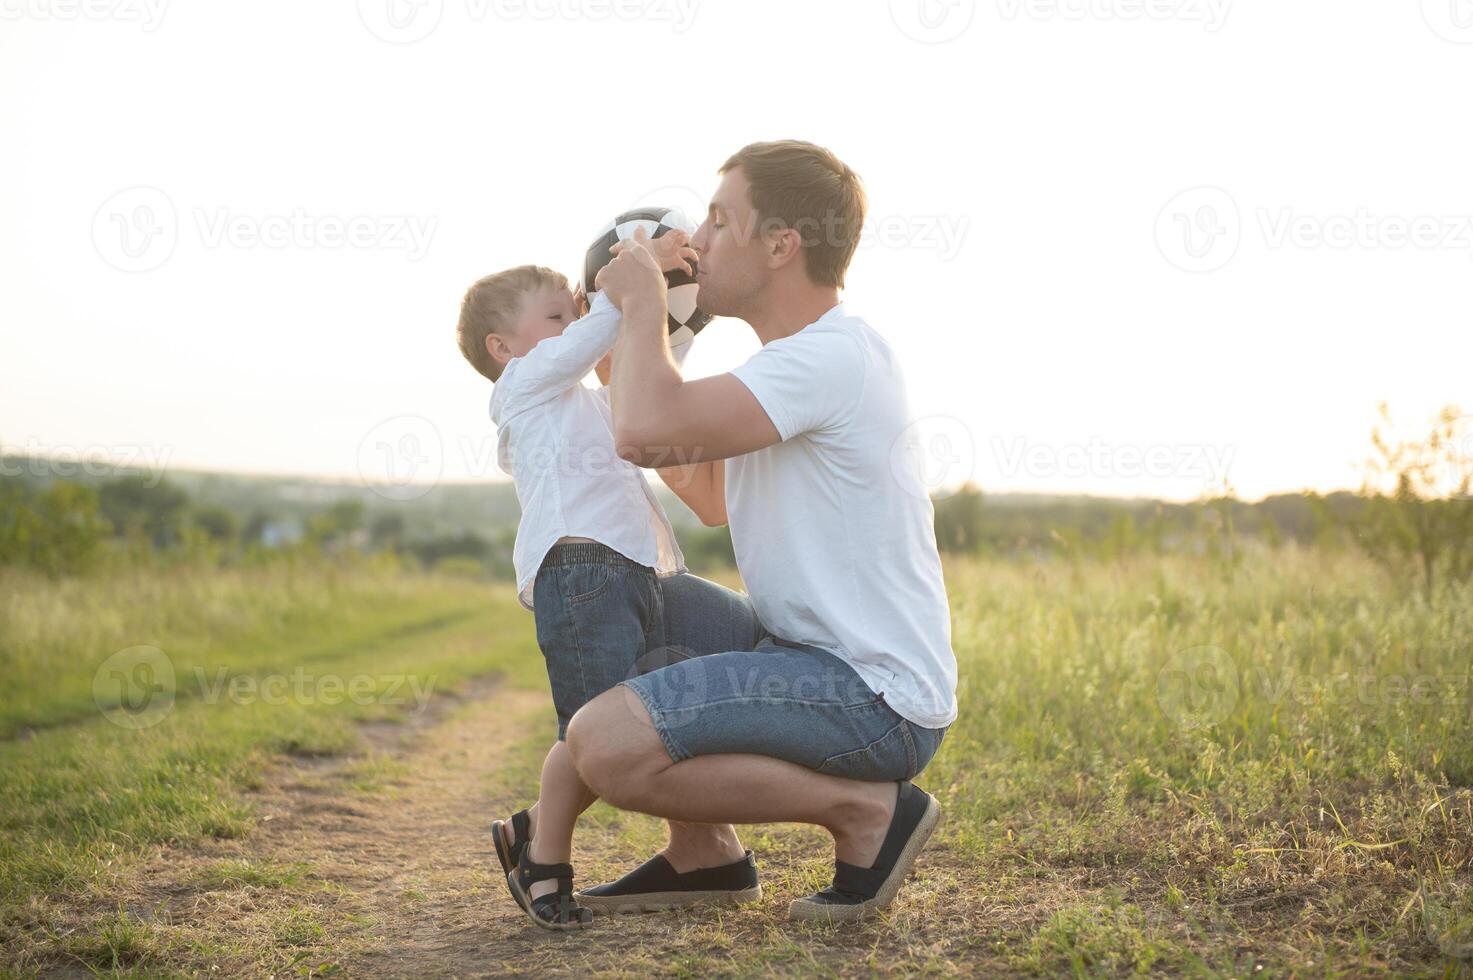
(666, 901)
(525, 902)
(504, 856)
(807, 910)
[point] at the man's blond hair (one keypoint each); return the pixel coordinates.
(492, 306)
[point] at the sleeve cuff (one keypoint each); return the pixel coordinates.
(779, 421)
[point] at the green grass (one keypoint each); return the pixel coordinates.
(1161, 766)
(86, 797)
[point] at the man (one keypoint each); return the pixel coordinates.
(847, 688)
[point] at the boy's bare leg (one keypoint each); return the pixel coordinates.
(561, 799)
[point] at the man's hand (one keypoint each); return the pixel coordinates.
(671, 250)
(633, 275)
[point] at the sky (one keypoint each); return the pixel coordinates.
(1122, 247)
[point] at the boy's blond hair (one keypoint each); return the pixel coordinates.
(492, 306)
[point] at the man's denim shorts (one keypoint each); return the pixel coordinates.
(597, 612)
(729, 686)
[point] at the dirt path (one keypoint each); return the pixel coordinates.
(375, 863)
(379, 864)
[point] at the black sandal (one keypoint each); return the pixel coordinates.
(511, 855)
(555, 910)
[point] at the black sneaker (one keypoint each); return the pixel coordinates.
(656, 886)
(858, 892)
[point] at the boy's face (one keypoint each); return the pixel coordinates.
(545, 313)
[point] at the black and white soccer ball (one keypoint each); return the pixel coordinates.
(686, 320)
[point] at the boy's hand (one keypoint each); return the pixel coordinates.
(671, 250)
(580, 301)
(633, 274)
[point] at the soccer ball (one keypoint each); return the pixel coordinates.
(686, 320)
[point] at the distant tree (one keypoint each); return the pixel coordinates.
(465, 545)
(217, 523)
(336, 523)
(387, 531)
(135, 506)
(1425, 524)
(57, 530)
(959, 520)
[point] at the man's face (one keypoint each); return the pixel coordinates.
(734, 260)
(545, 313)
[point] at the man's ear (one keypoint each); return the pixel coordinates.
(783, 246)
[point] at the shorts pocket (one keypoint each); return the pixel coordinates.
(890, 757)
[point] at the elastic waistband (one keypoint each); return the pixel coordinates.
(586, 553)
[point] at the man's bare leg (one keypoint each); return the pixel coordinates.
(621, 757)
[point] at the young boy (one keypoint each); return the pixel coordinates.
(593, 541)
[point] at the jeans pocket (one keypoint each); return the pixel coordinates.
(584, 583)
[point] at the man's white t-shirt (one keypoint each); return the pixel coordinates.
(833, 526)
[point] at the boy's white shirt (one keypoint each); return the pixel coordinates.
(555, 439)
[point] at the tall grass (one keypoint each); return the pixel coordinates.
(85, 797)
(1291, 731)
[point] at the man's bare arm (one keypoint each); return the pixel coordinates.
(703, 488)
(660, 418)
